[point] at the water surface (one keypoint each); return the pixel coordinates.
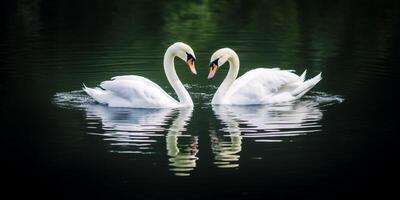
(337, 140)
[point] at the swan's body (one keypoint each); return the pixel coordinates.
(257, 86)
(139, 92)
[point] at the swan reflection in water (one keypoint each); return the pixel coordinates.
(140, 131)
(181, 149)
(260, 123)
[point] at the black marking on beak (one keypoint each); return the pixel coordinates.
(190, 56)
(190, 61)
(213, 69)
(214, 63)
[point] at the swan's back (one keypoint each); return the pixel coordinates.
(263, 86)
(131, 91)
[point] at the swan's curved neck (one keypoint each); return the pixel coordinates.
(229, 79)
(169, 68)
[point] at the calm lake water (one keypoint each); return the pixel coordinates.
(336, 141)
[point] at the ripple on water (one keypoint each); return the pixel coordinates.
(267, 124)
(146, 131)
(76, 99)
(133, 131)
(276, 122)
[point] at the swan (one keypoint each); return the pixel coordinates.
(139, 92)
(257, 86)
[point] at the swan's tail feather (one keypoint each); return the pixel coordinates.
(88, 91)
(97, 94)
(303, 75)
(84, 87)
(306, 86)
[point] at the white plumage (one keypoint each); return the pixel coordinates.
(139, 92)
(263, 86)
(258, 86)
(131, 91)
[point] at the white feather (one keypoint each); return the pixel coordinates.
(261, 85)
(139, 92)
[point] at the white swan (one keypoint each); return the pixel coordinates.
(139, 92)
(258, 86)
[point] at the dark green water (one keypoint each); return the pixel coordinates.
(337, 141)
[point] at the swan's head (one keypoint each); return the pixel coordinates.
(218, 59)
(186, 53)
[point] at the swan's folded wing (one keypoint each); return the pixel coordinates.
(134, 78)
(138, 90)
(256, 85)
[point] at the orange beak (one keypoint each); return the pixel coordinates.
(213, 70)
(190, 62)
